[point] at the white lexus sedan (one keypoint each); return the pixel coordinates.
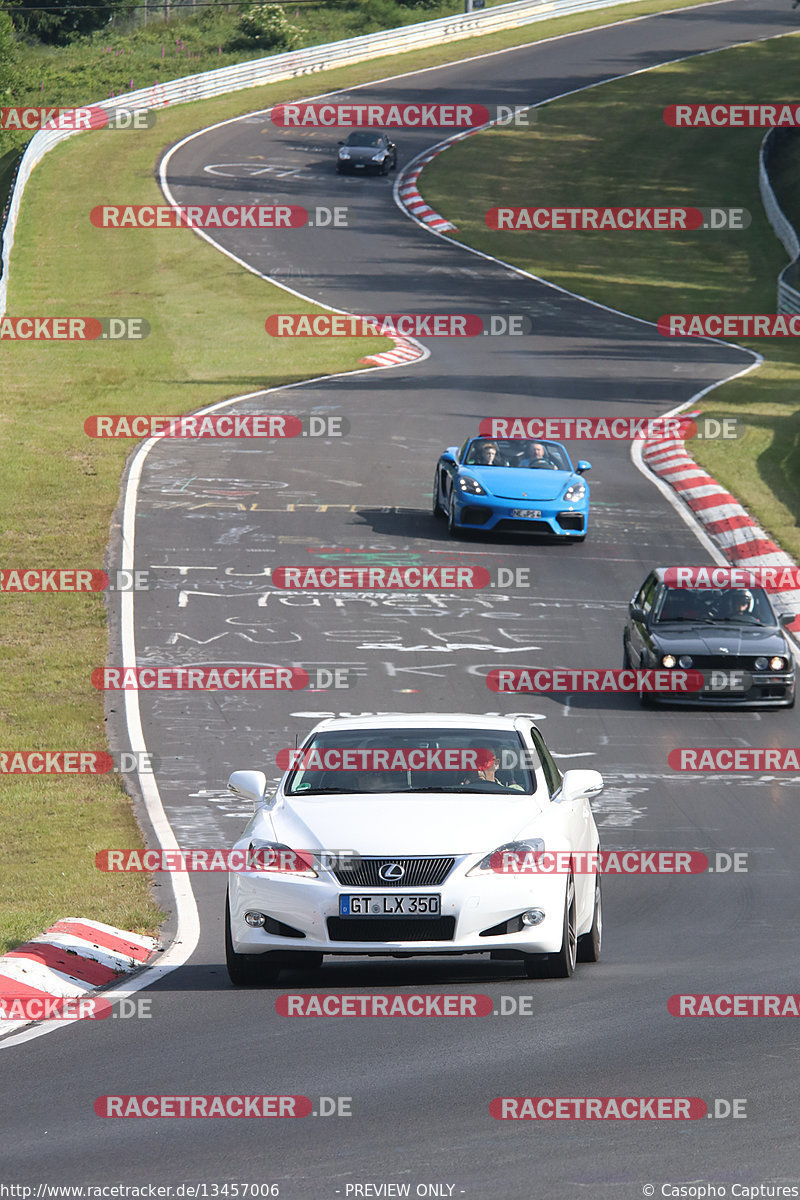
(407, 835)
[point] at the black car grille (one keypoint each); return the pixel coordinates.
(418, 872)
(727, 662)
(512, 525)
(571, 520)
(391, 929)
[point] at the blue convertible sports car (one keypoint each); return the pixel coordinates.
(513, 486)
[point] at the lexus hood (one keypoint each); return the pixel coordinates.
(394, 824)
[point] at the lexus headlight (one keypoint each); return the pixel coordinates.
(576, 491)
(470, 486)
(282, 860)
(496, 864)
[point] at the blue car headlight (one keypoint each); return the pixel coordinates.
(471, 486)
(575, 492)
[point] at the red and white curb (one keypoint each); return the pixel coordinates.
(409, 195)
(72, 958)
(405, 350)
(730, 526)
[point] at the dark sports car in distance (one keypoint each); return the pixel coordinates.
(365, 150)
(513, 486)
(713, 630)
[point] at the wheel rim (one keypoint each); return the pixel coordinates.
(572, 926)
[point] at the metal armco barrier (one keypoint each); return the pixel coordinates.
(289, 66)
(788, 295)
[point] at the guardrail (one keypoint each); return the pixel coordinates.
(789, 278)
(289, 66)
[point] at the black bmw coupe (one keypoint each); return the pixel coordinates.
(732, 635)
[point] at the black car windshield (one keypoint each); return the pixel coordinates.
(372, 761)
(513, 452)
(746, 606)
(364, 139)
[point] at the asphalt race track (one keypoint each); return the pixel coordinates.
(212, 517)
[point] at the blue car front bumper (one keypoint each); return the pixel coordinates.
(555, 518)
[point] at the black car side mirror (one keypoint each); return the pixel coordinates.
(340, 142)
(787, 618)
(636, 611)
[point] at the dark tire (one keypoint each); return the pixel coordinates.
(590, 944)
(626, 658)
(438, 511)
(247, 970)
(452, 528)
(560, 965)
(645, 699)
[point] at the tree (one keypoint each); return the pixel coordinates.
(8, 61)
(57, 24)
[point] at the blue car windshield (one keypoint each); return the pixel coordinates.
(512, 452)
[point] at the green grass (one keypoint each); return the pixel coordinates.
(610, 146)
(58, 489)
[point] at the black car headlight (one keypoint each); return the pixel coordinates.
(380, 156)
(777, 663)
(471, 486)
(344, 153)
(668, 660)
(685, 661)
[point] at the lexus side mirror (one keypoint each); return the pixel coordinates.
(250, 785)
